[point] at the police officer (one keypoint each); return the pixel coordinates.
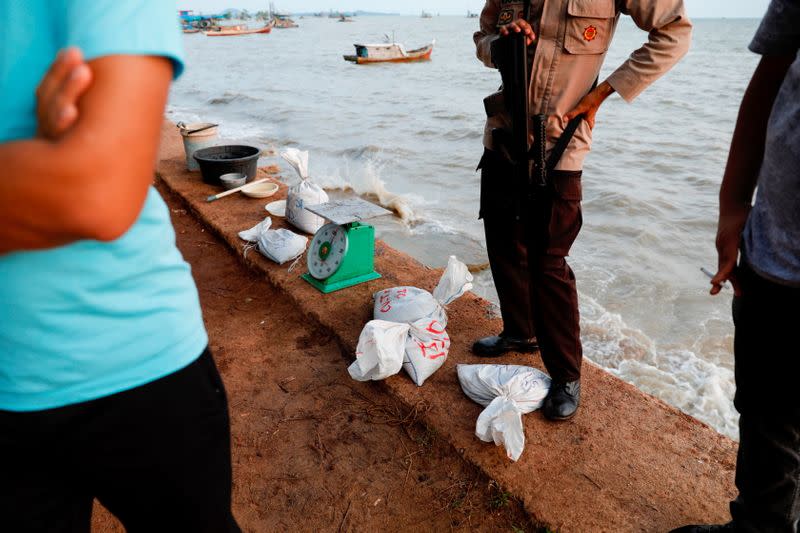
(528, 240)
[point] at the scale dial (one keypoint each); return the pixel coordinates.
(327, 251)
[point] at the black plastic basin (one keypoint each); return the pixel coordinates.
(218, 160)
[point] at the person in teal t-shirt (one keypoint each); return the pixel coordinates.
(107, 389)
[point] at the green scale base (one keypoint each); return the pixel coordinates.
(326, 288)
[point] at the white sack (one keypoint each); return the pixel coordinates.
(282, 245)
(299, 196)
(303, 194)
(508, 392)
(426, 349)
(279, 245)
(407, 305)
(427, 343)
(455, 281)
(380, 351)
(252, 234)
(299, 161)
(385, 347)
(410, 304)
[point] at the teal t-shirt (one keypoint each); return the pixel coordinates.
(90, 319)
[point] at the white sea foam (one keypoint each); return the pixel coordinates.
(680, 377)
(698, 383)
(364, 179)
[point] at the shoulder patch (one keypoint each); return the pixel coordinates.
(506, 16)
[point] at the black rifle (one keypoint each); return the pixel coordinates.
(510, 56)
(530, 163)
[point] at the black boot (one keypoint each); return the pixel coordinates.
(497, 345)
(562, 400)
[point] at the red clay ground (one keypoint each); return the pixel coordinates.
(311, 452)
(626, 462)
(350, 455)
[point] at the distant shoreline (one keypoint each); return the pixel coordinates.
(461, 15)
(321, 14)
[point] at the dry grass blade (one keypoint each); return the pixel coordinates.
(394, 416)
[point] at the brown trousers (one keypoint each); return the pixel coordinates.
(528, 238)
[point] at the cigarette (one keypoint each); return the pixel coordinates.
(710, 275)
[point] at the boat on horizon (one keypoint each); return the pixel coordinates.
(229, 31)
(280, 20)
(389, 53)
(283, 22)
(191, 22)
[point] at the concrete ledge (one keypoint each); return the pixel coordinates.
(626, 462)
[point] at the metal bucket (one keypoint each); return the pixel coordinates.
(194, 140)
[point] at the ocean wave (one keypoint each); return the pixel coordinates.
(463, 134)
(679, 376)
(427, 133)
(370, 151)
(432, 228)
(365, 180)
(229, 97)
(451, 116)
(698, 379)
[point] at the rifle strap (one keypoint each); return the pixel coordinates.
(526, 12)
(563, 142)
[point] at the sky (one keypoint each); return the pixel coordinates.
(696, 8)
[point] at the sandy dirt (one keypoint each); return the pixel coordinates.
(312, 450)
(626, 462)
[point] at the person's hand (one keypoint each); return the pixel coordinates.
(729, 235)
(519, 26)
(68, 78)
(590, 103)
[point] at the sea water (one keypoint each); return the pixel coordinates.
(408, 136)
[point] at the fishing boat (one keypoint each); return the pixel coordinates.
(190, 21)
(389, 53)
(280, 20)
(228, 31)
(283, 22)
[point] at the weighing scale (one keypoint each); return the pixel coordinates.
(342, 253)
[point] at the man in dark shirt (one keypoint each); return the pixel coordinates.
(766, 153)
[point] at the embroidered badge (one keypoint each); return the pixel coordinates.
(590, 33)
(506, 16)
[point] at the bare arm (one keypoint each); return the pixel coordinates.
(590, 104)
(744, 163)
(91, 182)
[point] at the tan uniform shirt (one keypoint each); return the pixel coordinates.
(572, 39)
